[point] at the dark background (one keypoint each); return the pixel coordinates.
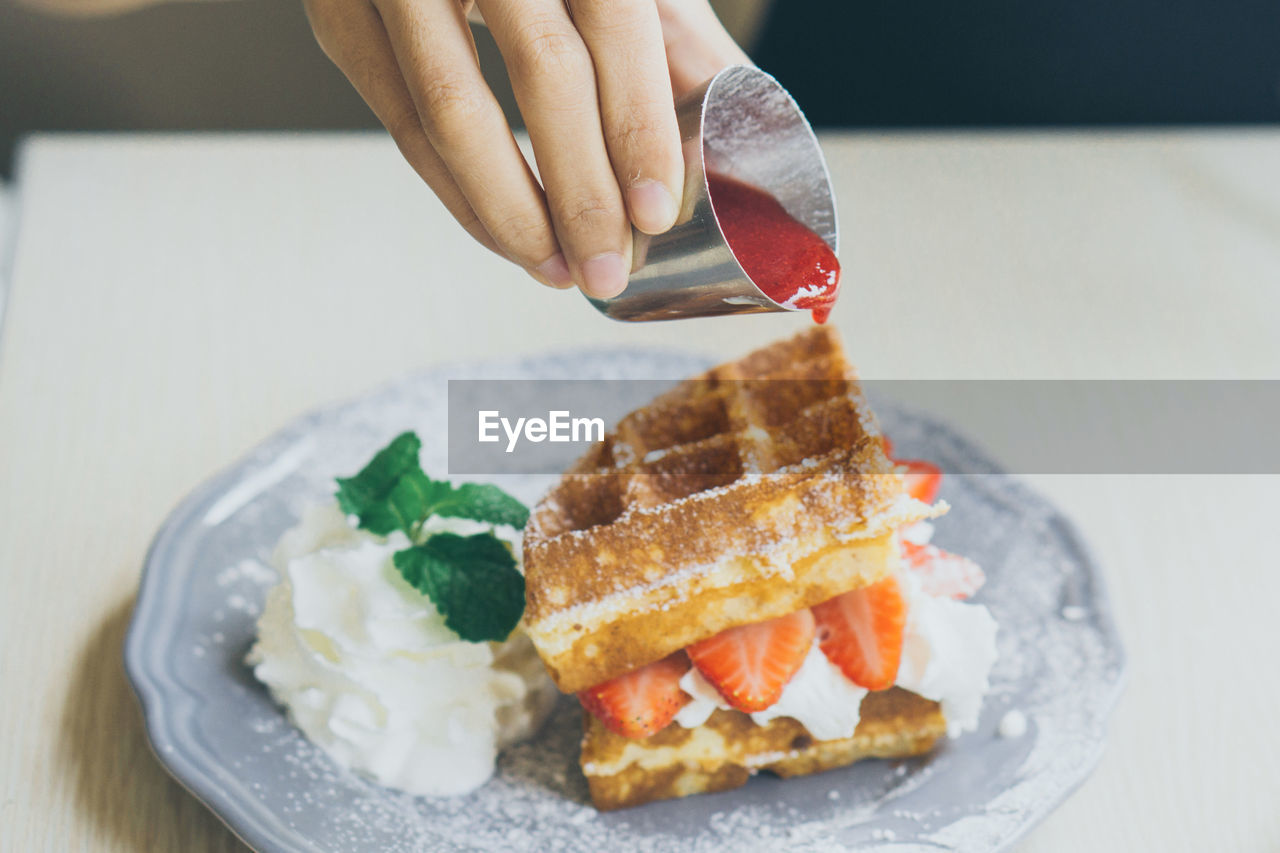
(1027, 62)
(252, 64)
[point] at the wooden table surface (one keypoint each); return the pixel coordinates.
(176, 299)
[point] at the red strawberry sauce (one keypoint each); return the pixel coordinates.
(791, 264)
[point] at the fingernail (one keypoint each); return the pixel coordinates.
(653, 209)
(604, 275)
(555, 270)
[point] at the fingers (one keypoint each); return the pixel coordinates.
(698, 45)
(352, 36)
(554, 82)
(637, 110)
(595, 90)
(466, 127)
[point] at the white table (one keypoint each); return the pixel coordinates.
(175, 299)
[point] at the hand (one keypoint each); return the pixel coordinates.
(595, 81)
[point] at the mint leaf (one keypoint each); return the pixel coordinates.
(376, 495)
(480, 502)
(472, 580)
(392, 493)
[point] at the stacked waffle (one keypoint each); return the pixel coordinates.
(724, 560)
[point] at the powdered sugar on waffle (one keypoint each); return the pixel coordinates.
(776, 559)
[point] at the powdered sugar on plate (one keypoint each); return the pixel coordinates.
(216, 729)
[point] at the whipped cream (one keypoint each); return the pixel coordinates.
(948, 650)
(368, 670)
(818, 695)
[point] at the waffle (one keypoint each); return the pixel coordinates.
(729, 748)
(752, 491)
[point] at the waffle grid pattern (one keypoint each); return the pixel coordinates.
(792, 405)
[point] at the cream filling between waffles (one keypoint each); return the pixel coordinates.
(948, 650)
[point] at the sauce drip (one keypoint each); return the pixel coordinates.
(791, 264)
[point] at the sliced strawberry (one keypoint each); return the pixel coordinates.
(642, 701)
(751, 664)
(861, 633)
(923, 478)
(940, 572)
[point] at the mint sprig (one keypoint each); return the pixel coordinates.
(393, 493)
(472, 580)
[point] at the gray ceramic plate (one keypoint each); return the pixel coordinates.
(220, 735)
